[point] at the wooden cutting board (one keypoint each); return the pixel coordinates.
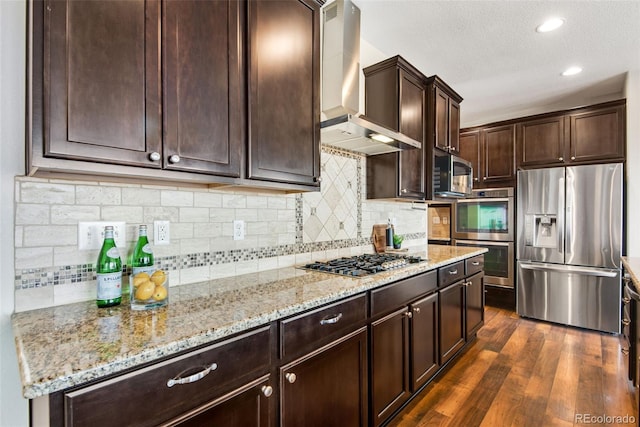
(379, 238)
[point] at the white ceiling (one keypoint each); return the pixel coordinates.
(490, 53)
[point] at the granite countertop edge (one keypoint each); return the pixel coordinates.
(33, 388)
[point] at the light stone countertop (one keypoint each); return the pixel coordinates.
(632, 266)
(63, 346)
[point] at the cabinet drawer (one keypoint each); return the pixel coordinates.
(473, 265)
(143, 397)
(310, 330)
(397, 294)
(450, 273)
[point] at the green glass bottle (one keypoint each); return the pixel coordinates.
(142, 259)
(109, 272)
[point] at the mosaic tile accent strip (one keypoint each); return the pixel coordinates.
(41, 277)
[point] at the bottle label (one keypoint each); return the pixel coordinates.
(147, 249)
(109, 285)
(113, 253)
(147, 269)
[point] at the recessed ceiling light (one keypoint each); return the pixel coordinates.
(550, 25)
(571, 71)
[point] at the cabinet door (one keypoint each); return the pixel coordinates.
(248, 406)
(102, 81)
(424, 340)
(598, 135)
(469, 147)
(499, 154)
(541, 142)
(328, 386)
(284, 107)
(454, 125)
(451, 320)
(474, 302)
(390, 386)
(203, 96)
(412, 124)
(441, 120)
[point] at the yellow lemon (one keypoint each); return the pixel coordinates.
(160, 293)
(158, 277)
(139, 279)
(145, 290)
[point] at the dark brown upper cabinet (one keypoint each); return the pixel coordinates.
(395, 98)
(592, 134)
(491, 151)
(443, 115)
(97, 81)
(541, 141)
(284, 87)
(214, 92)
(203, 80)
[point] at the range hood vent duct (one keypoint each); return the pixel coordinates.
(344, 127)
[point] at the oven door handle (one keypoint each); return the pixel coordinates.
(483, 243)
(497, 199)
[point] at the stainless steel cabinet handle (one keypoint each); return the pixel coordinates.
(409, 314)
(452, 272)
(626, 322)
(267, 390)
(475, 263)
(155, 156)
(174, 158)
(331, 320)
(192, 378)
(291, 377)
(416, 310)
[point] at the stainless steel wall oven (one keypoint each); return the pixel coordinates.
(486, 219)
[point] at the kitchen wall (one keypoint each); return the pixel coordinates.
(632, 93)
(281, 230)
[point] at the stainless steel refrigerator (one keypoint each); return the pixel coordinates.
(569, 241)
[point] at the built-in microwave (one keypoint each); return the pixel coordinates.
(452, 175)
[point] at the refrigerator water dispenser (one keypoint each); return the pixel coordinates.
(541, 231)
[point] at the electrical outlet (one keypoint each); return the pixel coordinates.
(161, 233)
(91, 234)
(238, 229)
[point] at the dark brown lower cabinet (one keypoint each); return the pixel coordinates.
(390, 386)
(474, 303)
(327, 387)
(424, 340)
(248, 406)
(451, 320)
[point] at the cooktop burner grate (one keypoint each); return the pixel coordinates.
(363, 265)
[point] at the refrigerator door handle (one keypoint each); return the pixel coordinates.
(568, 222)
(560, 218)
(586, 271)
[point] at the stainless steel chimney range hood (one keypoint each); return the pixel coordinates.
(343, 127)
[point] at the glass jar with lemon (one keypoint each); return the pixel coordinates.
(148, 285)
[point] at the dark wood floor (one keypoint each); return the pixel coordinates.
(525, 373)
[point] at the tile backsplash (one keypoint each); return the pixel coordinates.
(280, 231)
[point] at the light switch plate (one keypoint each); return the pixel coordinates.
(91, 234)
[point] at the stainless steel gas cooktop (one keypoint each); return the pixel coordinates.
(363, 265)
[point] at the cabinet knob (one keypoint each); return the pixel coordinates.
(409, 314)
(452, 148)
(174, 158)
(267, 390)
(404, 191)
(416, 310)
(291, 377)
(573, 157)
(561, 158)
(155, 156)
(318, 179)
(624, 351)
(626, 322)
(626, 300)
